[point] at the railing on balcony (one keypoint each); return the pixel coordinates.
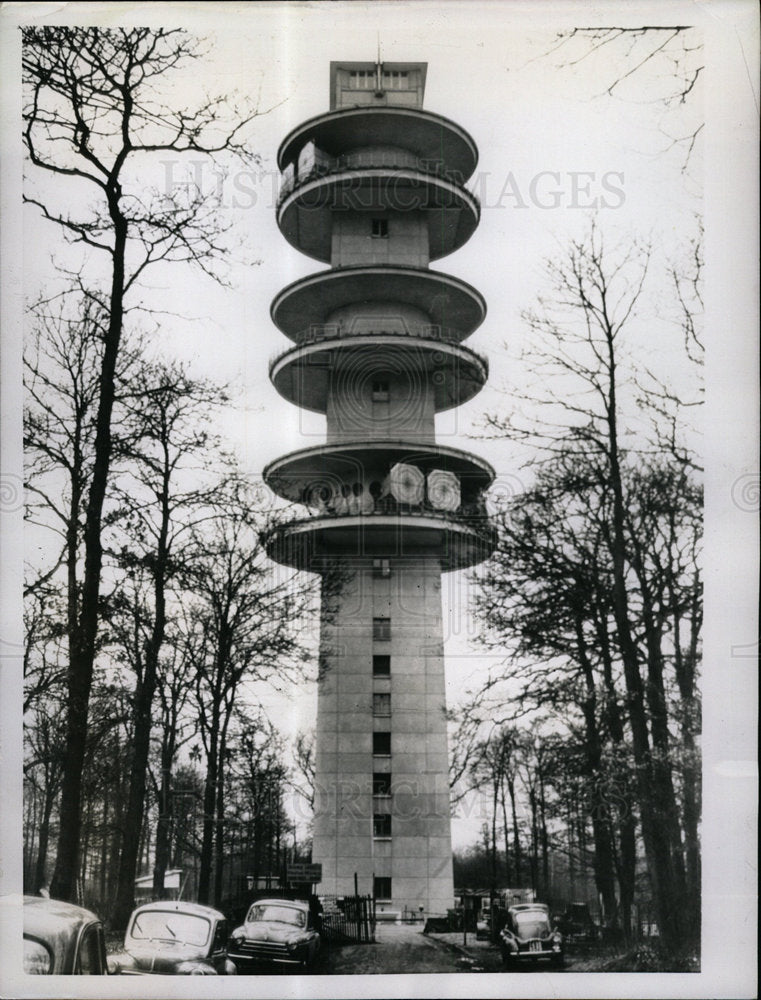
(326, 332)
(472, 516)
(314, 162)
(398, 328)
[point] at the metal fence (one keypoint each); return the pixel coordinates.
(348, 919)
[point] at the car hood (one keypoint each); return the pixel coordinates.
(159, 956)
(270, 930)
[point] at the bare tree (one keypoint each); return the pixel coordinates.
(174, 688)
(42, 777)
(93, 114)
(246, 629)
(164, 437)
(305, 763)
(626, 525)
(663, 61)
(257, 780)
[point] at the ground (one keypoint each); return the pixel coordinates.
(403, 948)
(399, 948)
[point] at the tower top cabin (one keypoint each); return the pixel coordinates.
(377, 84)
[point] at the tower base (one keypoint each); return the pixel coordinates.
(382, 804)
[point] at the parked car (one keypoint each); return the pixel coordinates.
(275, 930)
(528, 936)
(577, 923)
(61, 939)
(174, 938)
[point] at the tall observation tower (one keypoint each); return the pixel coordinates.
(375, 189)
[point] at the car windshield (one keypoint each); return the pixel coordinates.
(531, 924)
(37, 959)
(165, 925)
(280, 914)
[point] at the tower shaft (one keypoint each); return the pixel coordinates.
(382, 794)
(375, 188)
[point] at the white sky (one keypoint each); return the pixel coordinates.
(489, 71)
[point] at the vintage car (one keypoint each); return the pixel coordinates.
(577, 923)
(528, 937)
(275, 930)
(174, 938)
(61, 939)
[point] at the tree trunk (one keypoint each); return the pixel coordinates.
(125, 893)
(84, 857)
(544, 838)
(604, 868)
(571, 856)
(44, 836)
(83, 636)
(627, 855)
(516, 833)
(684, 665)
(104, 845)
(534, 842)
(653, 797)
(506, 832)
(163, 833)
(495, 793)
(209, 805)
(219, 843)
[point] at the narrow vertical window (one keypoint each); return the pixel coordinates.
(382, 825)
(380, 229)
(381, 666)
(382, 704)
(382, 888)
(382, 629)
(381, 783)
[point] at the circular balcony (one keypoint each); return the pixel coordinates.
(305, 214)
(334, 464)
(303, 375)
(448, 301)
(312, 543)
(431, 138)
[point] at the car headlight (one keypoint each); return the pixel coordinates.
(195, 969)
(120, 963)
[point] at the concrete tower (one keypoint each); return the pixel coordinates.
(375, 188)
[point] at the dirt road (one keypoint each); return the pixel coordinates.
(399, 948)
